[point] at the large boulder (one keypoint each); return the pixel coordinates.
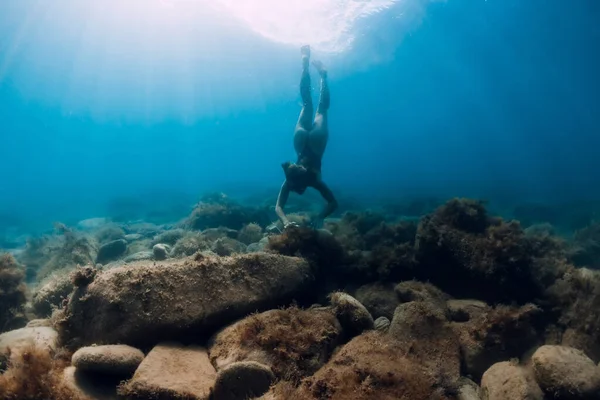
(146, 302)
(372, 366)
(566, 373)
(13, 343)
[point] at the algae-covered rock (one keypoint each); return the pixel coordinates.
(13, 343)
(380, 299)
(242, 380)
(51, 294)
(146, 301)
(372, 366)
(506, 380)
(172, 371)
(111, 251)
(12, 293)
(423, 328)
(160, 251)
(294, 343)
(353, 316)
(496, 335)
(566, 373)
(382, 324)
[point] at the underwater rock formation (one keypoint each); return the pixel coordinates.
(372, 365)
(471, 255)
(319, 247)
(65, 250)
(294, 343)
(12, 294)
(220, 211)
(143, 302)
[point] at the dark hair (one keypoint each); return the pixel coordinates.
(297, 176)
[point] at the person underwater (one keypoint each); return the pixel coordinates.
(310, 141)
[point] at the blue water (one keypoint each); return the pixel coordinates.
(118, 104)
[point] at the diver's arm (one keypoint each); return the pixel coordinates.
(284, 193)
(327, 194)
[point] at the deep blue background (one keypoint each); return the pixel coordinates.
(499, 99)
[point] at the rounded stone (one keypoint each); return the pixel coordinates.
(243, 380)
(565, 372)
(160, 251)
(353, 316)
(505, 380)
(108, 359)
(382, 324)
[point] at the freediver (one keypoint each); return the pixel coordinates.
(310, 141)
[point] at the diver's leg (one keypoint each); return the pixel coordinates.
(319, 135)
(305, 119)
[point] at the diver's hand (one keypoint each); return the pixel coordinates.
(289, 223)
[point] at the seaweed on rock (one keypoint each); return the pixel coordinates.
(34, 374)
(318, 247)
(295, 343)
(12, 294)
(471, 255)
(220, 211)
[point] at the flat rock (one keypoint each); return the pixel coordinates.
(505, 380)
(146, 302)
(172, 371)
(139, 256)
(108, 359)
(566, 373)
(44, 338)
(465, 310)
(132, 237)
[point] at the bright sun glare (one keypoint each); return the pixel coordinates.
(325, 24)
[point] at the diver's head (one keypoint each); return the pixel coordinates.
(296, 176)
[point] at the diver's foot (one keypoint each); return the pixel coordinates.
(320, 68)
(305, 52)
